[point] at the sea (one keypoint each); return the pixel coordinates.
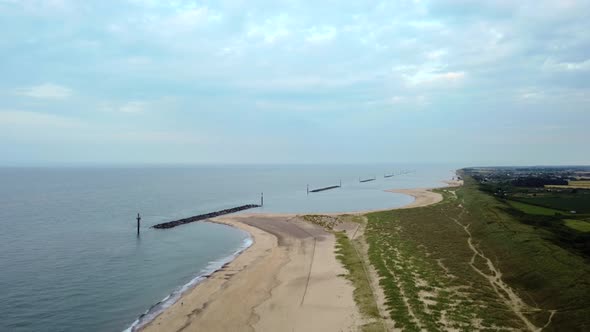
(71, 258)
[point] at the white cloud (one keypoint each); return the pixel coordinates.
(36, 119)
(42, 7)
(323, 34)
(270, 30)
(551, 64)
(46, 91)
(412, 101)
(133, 107)
(188, 19)
(37, 126)
(436, 54)
(158, 137)
(434, 76)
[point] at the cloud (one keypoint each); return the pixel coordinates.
(158, 137)
(270, 30)
(433, 76)
(46, 91)
(412, 102)
(125, 107)
(133, 107)
(227, 63)
(317, 35)
(36, 119)
(553, 65)
(28, 125)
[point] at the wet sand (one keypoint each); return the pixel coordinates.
(288, 280)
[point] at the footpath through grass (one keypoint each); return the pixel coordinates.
(466, 264)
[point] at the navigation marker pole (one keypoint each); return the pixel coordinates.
(138, 223)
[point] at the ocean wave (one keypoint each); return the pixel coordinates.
(170, 299)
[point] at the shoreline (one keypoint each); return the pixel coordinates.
(266, 258)
(161, 306)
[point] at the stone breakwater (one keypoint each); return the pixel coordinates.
(175, 223)
(322, 189)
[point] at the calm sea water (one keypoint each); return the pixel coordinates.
(70, 259)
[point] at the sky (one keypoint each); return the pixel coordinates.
(182, 82)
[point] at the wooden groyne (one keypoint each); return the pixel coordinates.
(367, 180)
(175, 223)
(322, 189)
(387, 175)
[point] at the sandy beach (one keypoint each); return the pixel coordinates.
(288, 280)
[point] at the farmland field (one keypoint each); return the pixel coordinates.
(579, 225)
(572, 184)
(533, 209)
(579, 202)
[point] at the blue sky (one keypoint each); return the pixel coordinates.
(447, 81)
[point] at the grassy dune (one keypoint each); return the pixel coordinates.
(348, 252)
(466, 264)
(363, 294)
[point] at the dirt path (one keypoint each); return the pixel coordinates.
(504, 292)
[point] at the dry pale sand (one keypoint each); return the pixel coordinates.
(424, 196)
(288, 280)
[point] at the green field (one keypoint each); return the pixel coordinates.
(579, 225)
(440, 266)
(533, 209)
(579, 202)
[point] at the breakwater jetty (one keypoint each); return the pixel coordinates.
(175, 223)
(322, 189)
(367, 180)
(387, 175)
(317, 190)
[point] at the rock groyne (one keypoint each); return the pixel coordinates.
(175, 223)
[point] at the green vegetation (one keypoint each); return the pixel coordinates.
(348, 253)
(574, 239)
(471, 262)
(363, 295)
(579, 225)
(578, 201)
(533, 209)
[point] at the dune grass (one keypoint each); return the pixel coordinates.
(347, 252)
(363, 294)
(433, 280)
